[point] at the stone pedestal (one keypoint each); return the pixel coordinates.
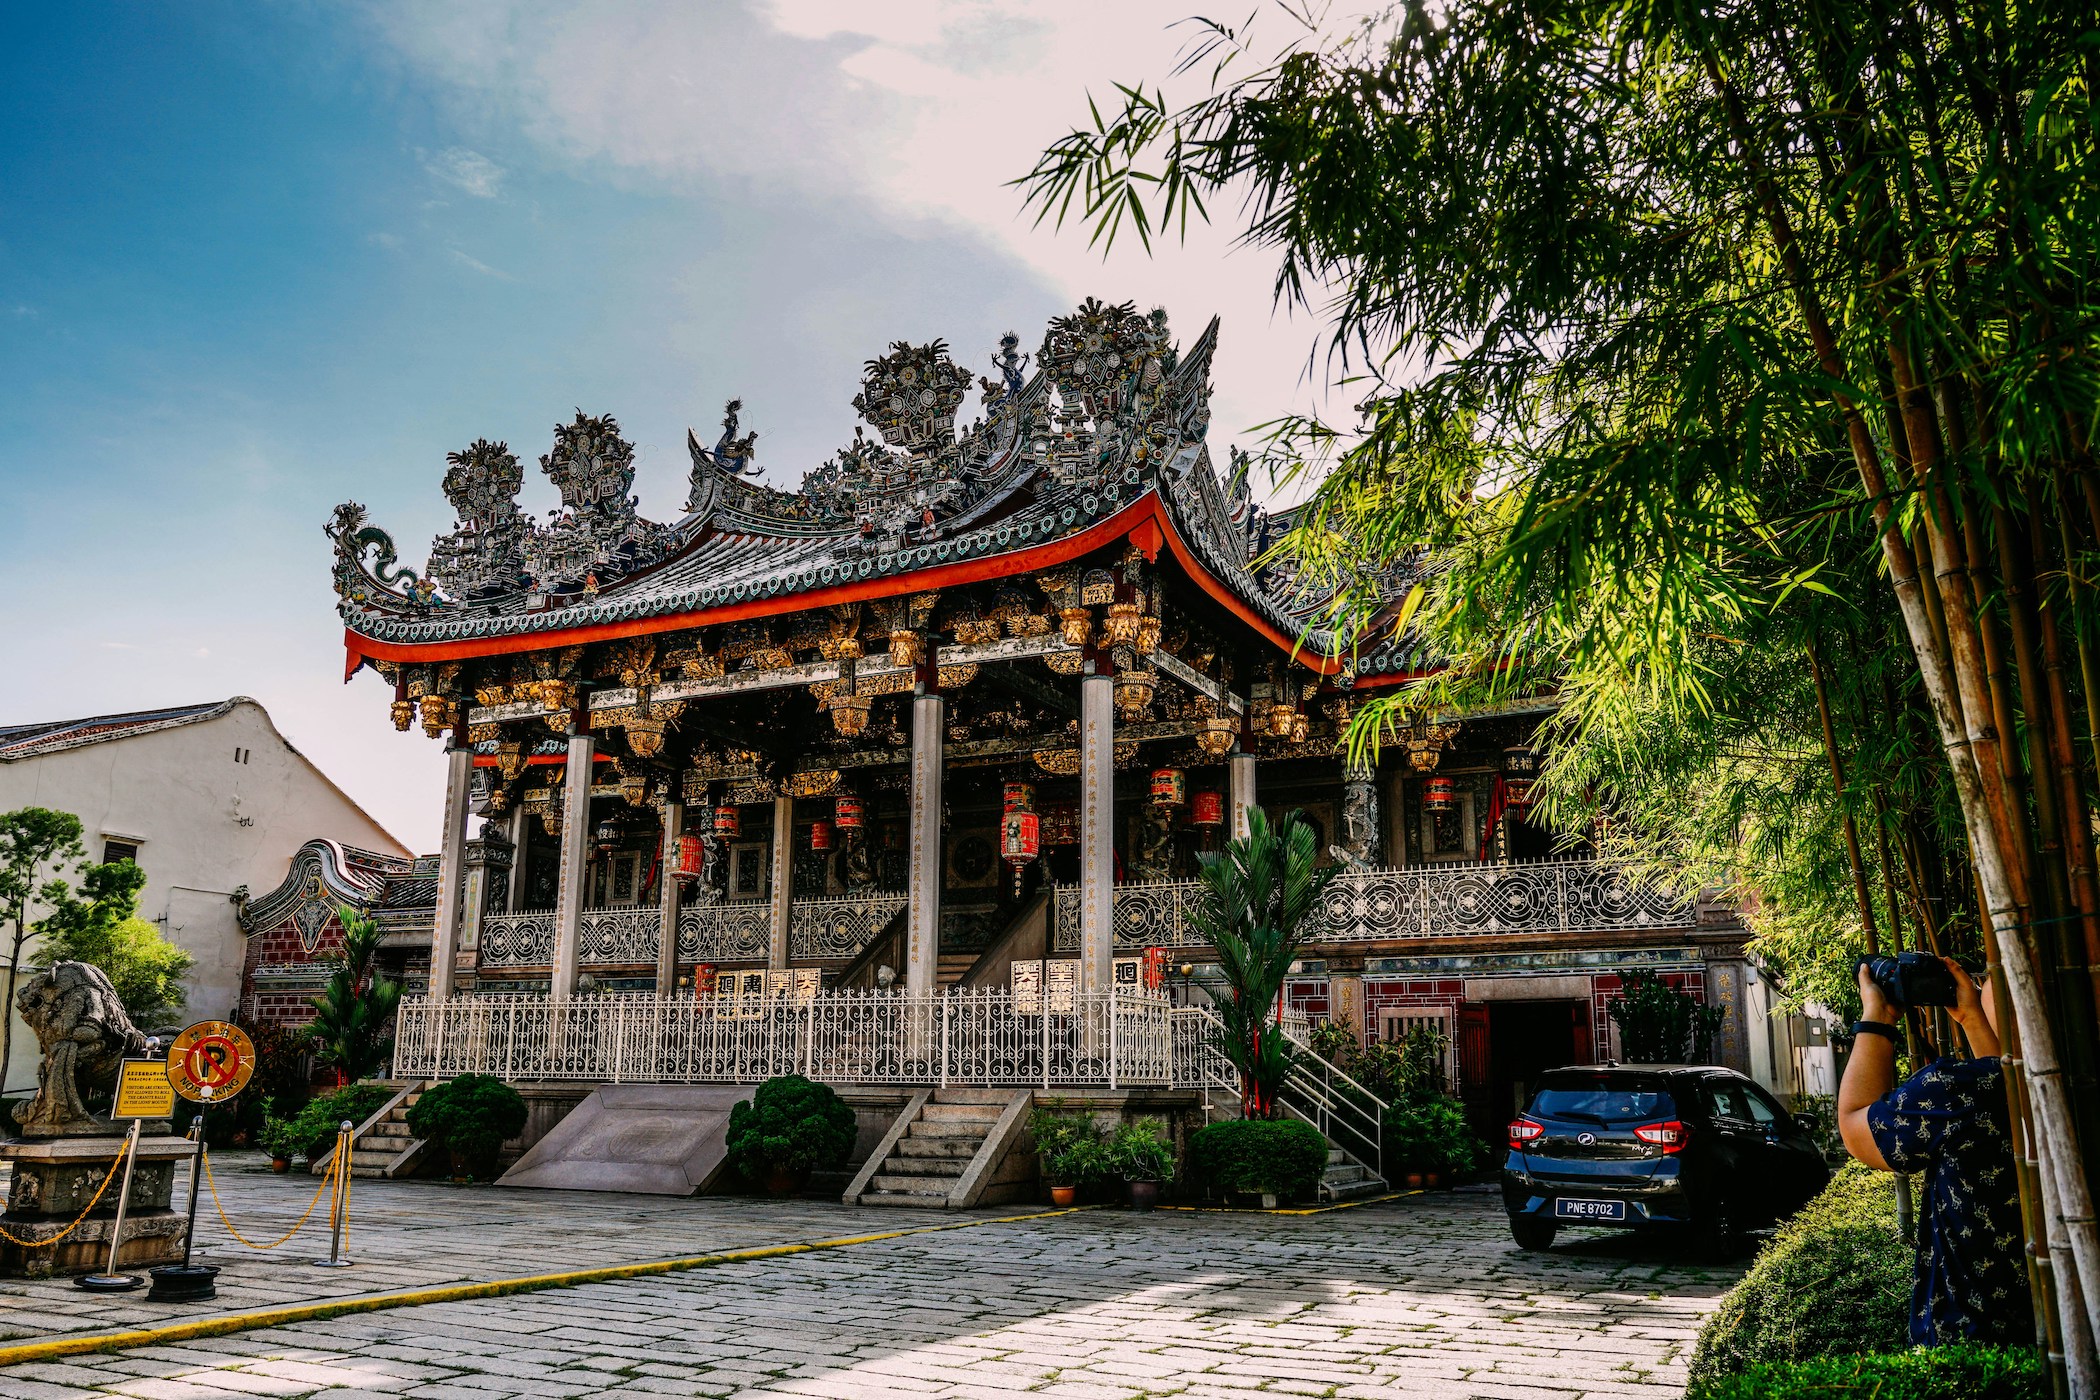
(55, 1177)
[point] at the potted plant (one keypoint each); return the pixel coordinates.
(1268, 1161)
(1143, 1155)
(280, 1137)
(469, 1119)
(791, 1127)
(1068, 1153)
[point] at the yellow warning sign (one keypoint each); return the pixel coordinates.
(143, 1091)
(210, 1061)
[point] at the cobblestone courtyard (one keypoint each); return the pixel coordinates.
(1424, 1296)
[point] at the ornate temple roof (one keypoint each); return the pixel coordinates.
(1104, 440)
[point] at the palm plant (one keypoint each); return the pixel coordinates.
(1259, 894)
(350, 1026)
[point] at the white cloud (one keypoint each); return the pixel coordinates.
(469, 260)
(466, 170)
(382, 239)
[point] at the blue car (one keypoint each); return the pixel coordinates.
(1688, 1148)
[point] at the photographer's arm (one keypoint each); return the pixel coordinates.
(1870, 1073)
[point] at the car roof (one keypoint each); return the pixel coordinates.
(1631, 1071)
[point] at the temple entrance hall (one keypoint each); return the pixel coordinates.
(1527, 1038)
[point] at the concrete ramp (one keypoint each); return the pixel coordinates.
(657, 1139)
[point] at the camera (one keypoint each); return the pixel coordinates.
(1912, 979)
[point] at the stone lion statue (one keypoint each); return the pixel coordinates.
(83, 1033)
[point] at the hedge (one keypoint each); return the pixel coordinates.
(790, 1123)
(1283, 1158)
(1834, 1281)
(470, 1118)
(1967, 1372)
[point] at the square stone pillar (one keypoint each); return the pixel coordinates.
(575, 855)
(667, 902)
(1239, 771)
(444, 931)
(783, 881)
(922, 929)
(1097, 825)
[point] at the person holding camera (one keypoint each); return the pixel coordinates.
(1949, 1123)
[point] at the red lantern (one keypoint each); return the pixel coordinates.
(820, 835)
(1020, 797)
(1170, 787)
(1020, 837)
(1438, 795)
(1207, 809)
(703, 980)
(846, 812)
(728, 821)
(690, 856)
(1517, 791)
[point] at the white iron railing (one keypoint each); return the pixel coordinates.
(626, 935)
(1439, 901)
(975, 1036)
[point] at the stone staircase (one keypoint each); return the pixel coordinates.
(927, 1157)
(383, 1145)
(953, 966)
(1346, 1179)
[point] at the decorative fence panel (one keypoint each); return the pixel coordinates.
(738, 932)
(522, 939)
(976, 1036)
(1562, 896)
(838, 928)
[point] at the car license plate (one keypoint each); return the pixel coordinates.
(1589, 1210)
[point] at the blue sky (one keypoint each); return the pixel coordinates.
(257, 260)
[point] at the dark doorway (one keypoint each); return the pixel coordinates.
(1526, 1038)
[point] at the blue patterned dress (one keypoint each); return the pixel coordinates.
(1949, 1123)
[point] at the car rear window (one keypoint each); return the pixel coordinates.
(1603, 1102)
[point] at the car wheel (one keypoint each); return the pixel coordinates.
(1716, 1238)
(1530, 1232)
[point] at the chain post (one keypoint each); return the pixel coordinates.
(339, 1201)
(109, 1280)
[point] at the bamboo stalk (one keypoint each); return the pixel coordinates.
(1837, 783)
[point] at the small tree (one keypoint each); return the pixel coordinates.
(1660, 1025)
(103, 928)
(1258, 896)
(36, 845)
(350, 1033)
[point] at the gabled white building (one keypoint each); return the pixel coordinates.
(210, 800)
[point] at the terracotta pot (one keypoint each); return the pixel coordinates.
(1414, 1181)
(1063, 1195)
(1432, 1180)
(1144, 1195)
(280, 1165)
(785, 1180)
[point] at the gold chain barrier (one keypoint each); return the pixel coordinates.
(327, 1182)
(46, 1244)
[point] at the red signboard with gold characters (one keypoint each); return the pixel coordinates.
(210, 1061)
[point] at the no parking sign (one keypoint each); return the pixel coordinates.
(210, 1061)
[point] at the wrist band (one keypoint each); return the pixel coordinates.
(1881, 1028)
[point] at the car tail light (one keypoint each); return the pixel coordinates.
(1670, 1136)
(1523, 1131)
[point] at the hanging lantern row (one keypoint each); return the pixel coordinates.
(692, 854)
(1207, 809)
(1020, 837)
(849, 713)
(608, 835)
(1215, 734)
(1170, 787)
(729, 822)
(1426, 740)
(1520, 768)
(821, 836)
(1018, 797)
(1439, 795)
(1060, 825)
(846, 812)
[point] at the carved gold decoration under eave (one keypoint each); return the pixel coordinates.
(956, 677)
(812, 784)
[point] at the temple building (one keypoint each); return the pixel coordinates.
(948, 728)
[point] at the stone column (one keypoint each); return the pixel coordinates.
(575, 855)
(444, 931)
(1097, 822)
(667, 902)
(520, 834)
(489, 860)
(783, 881)
(1360, 831)
(923, 918)
(1239, 770)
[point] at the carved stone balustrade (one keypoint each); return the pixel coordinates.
(626, 935)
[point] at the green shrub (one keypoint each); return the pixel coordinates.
(1966, 1372)
(1282, 1158)
(792, 1124)
(315, 1125)
(470, 1118)
(282, 1138)
(1429, 1135)
(1834, 1281)
(1140, 1150)
(1335, 1040)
